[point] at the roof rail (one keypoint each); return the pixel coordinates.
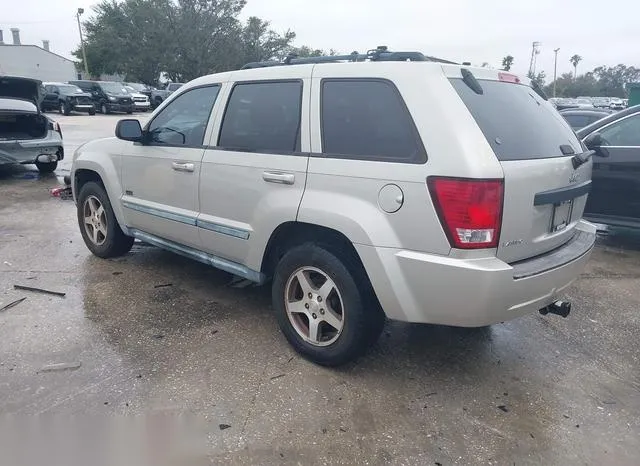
(380, 53)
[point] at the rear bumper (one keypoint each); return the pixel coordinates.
(28, 151)
(418, 287)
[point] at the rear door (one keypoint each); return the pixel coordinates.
(253, 176)
(616, 179)
(544, 196)
(50, 100)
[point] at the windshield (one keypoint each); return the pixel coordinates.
(517, 122)
(113, 88)
(69, 89)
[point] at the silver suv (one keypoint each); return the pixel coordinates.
(387, 185)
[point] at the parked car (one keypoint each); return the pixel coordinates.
(583, 103)
(26, 135)
(158, 96)
(601, 102)
(616, 104)
(107, 96)
(140, 101)
(141, 88)
(615, 196)
(579, 118)
(565, 103)
(361, 190)
(66, 98)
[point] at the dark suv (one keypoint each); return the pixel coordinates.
(66, 98)
(107, 96)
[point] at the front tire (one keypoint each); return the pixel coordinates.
(98, 224)
(46, 167)
(104, 109)
(92, 112)
(324, 307)
(64, 108)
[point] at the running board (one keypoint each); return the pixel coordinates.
(217, 262)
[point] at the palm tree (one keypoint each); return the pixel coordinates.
(507, 62)
(574, 61)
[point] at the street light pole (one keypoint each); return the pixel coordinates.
(555, 70)
(84, 52)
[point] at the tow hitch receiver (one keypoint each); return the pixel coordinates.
(559, 308)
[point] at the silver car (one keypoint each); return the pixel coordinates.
(27, 136)
(419, 191)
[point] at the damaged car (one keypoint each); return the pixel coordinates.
(26, 135)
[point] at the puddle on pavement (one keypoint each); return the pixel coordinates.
(619, 238)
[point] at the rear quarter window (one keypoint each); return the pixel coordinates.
(517, 122)
(366, 119)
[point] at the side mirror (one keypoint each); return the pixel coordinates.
(595, 142)
(129, 130)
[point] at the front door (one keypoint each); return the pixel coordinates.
(253, 179)
(51, 97)
(616, 179)
(160, 176)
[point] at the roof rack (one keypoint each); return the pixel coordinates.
(380, 53)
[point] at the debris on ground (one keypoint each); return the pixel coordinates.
(503, 408)
(39, 290)
(63, 192)
(8, 263)
(12, 304)
(63, 366)
(239, 282)
(277, 376)
(164, 285)
(224, 426)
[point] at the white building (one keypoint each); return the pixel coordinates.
(32, 61)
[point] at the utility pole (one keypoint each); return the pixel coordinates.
(532, 63)
(555, 70)
(84, 52)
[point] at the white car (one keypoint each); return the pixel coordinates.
(414, 190)
(616, 104)
(141, 102)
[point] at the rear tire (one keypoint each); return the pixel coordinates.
(98, 224)
(92, 112)
(129, 112)
(104, 109)
(359, 315)
(46, 167)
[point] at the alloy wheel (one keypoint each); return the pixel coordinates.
(95, 220)
(314, 306)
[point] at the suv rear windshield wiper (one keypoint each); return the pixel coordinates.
(470, 80)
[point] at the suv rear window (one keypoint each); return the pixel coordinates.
(517, 122)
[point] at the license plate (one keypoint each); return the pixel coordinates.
(561, 216)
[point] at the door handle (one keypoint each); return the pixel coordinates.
(183, 167)
(278, 177)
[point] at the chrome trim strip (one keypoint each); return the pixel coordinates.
(160, 213)
(188, 220)
(217, 262)
(225, 230)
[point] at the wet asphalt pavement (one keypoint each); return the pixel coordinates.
(153, 332)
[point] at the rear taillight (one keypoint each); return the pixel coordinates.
(470, 210)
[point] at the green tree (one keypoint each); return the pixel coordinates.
(183, 39)
(538, 78)
(507, 62)
(613, 80)
(574, 61)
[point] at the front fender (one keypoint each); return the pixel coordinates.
(104, 157)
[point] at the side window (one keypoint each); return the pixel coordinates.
(367, 119)
(623, 133)
(184, 121)
(263, 117)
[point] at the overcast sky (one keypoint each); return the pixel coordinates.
(602, 32)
